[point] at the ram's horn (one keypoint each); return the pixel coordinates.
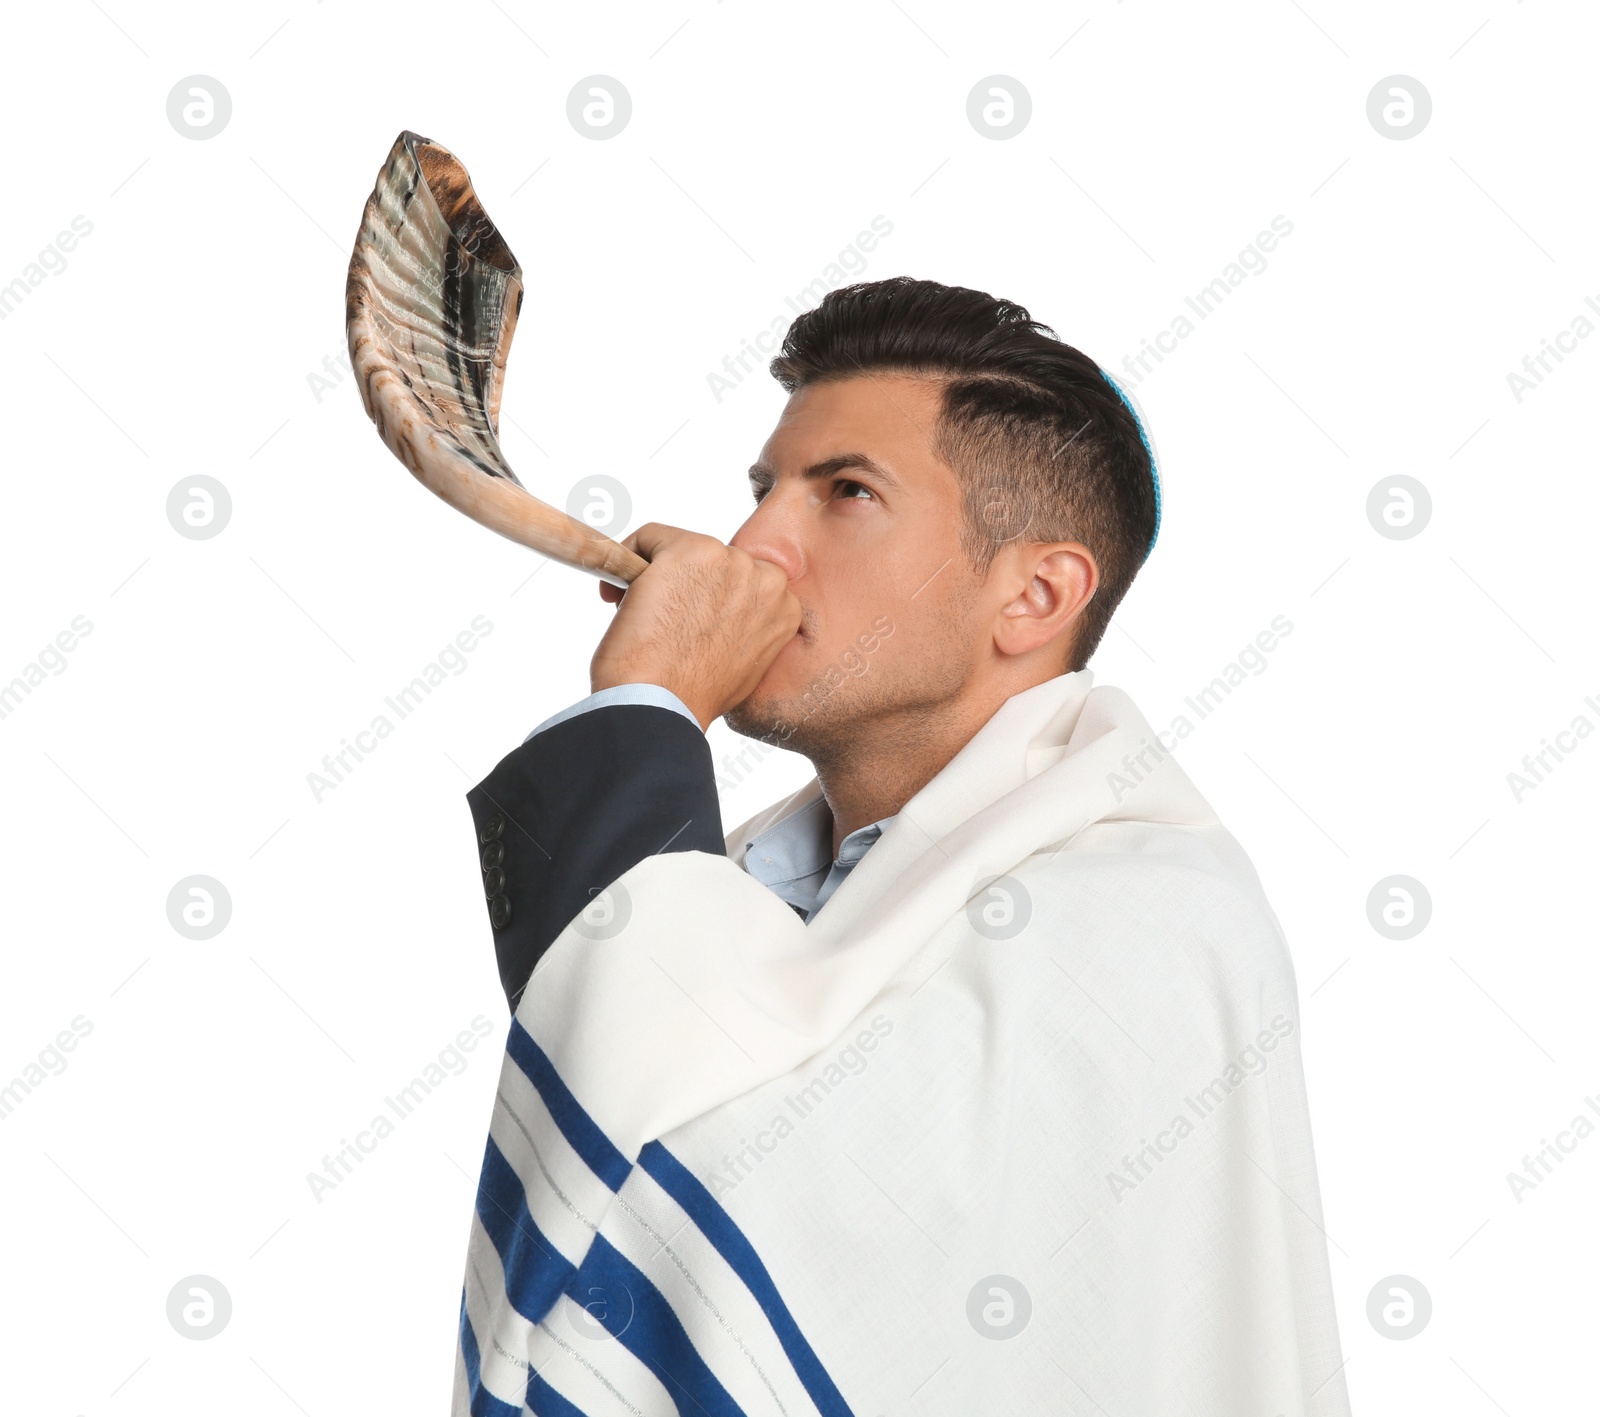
(431, 303)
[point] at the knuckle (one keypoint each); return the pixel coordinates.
(699, 547)
(741, 569)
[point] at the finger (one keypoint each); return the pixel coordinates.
(632, 542)
(771, 579)
(653, 538)
(611, 594)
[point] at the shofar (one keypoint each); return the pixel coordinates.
(431, 303)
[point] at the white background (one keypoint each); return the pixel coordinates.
(179, 340)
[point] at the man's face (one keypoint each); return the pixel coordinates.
(866, 521)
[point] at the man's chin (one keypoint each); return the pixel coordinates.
(768, 713)
(760, 717)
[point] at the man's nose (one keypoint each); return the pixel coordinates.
(770, 534)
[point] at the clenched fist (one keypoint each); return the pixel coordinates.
(703, 620)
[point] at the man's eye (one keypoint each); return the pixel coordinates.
(853, 490)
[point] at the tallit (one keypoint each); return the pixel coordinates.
(916, 1157)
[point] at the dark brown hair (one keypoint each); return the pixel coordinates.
(1044, 447)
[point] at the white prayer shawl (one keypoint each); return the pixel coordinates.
(914, 1156)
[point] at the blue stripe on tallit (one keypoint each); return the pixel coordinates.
(611, 1288)
(616, 1293)
(535, 1271)
(577, 1126)
(731, 1243)
(483, 1402)
(639, 1317)
(545, 1401)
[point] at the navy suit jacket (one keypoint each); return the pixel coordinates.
(577, 806)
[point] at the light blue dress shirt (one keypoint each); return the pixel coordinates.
(793, 858)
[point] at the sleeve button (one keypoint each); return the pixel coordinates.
(494, 881)
(493, 854)
(492, 828)
(500, 912)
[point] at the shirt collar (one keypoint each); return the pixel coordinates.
(797, 850)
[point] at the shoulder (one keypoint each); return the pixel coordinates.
(1179, 902)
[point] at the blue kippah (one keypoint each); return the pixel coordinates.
(1150, 452)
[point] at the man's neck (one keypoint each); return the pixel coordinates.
(884, 763)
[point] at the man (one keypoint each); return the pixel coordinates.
(967, 1079)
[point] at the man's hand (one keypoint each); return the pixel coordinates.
(704, 620)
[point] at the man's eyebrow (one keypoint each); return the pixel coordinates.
(828, 467)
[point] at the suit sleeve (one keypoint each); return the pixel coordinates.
(577, 806)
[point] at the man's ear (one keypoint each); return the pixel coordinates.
(1056, 580)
